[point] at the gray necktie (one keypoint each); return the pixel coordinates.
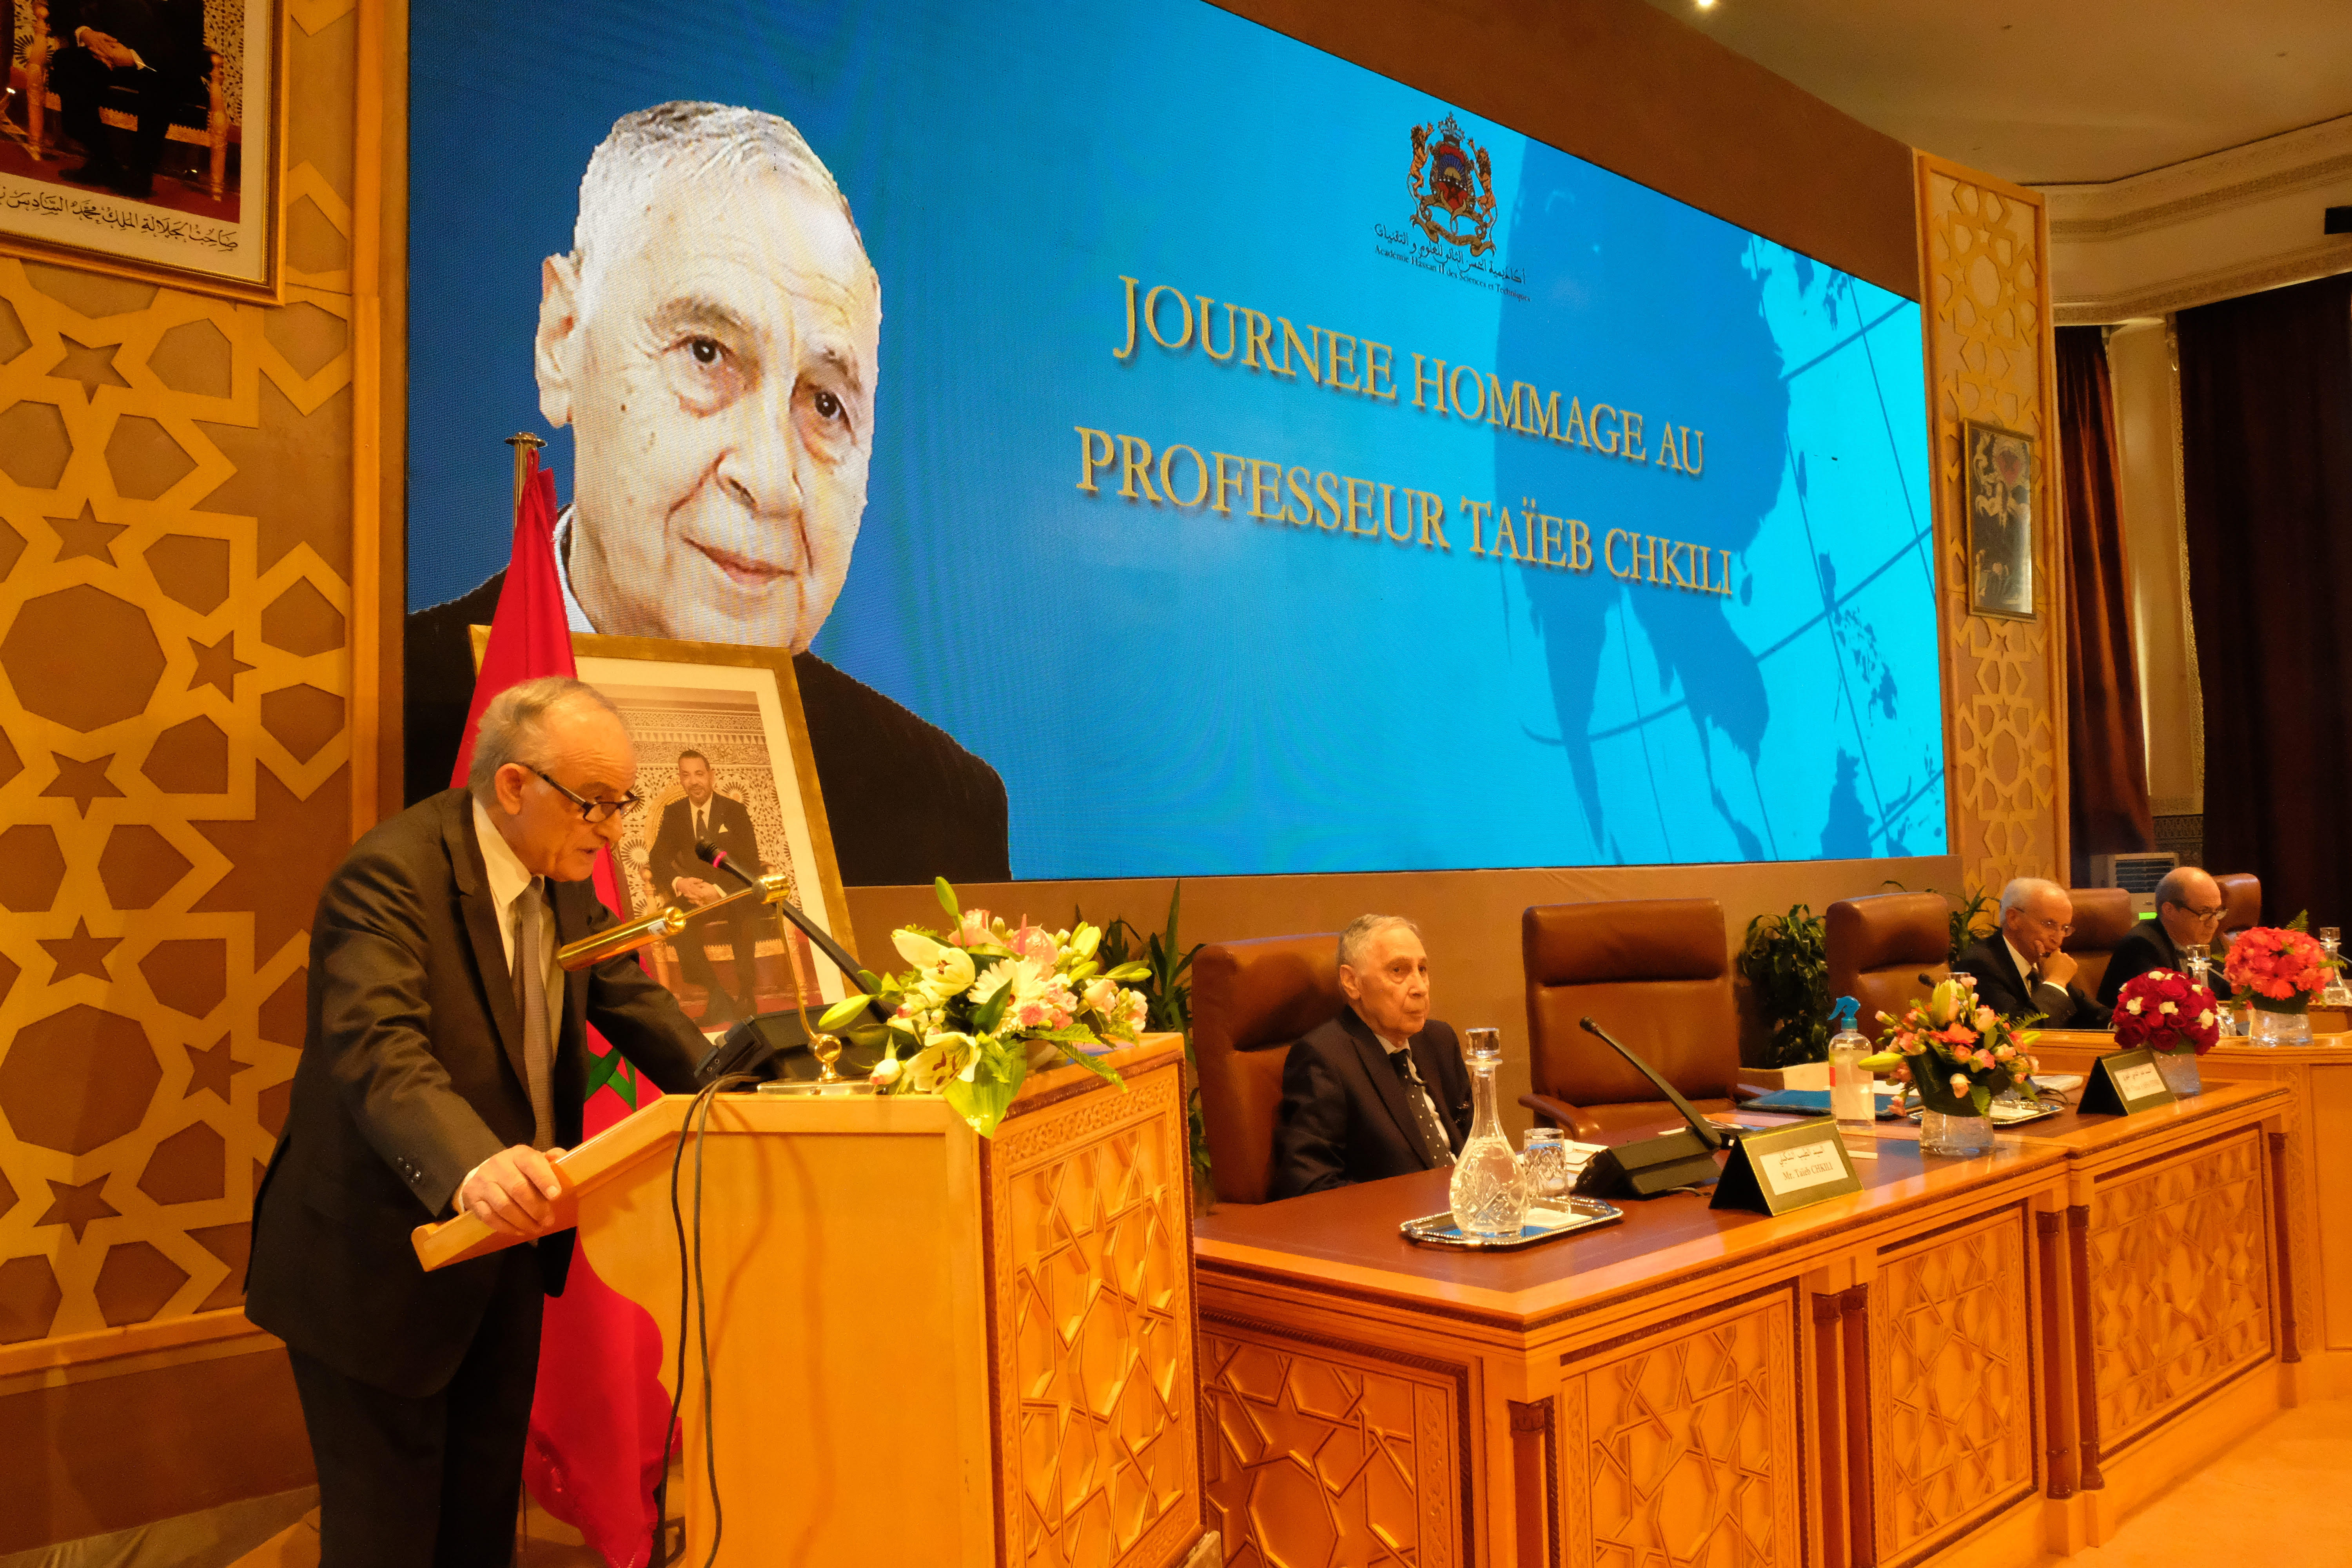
(531, 995)
(1432, 1132)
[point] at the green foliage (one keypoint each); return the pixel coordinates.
(1786, 960)
(1168, 1004)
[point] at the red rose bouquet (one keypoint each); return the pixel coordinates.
(2165, 1011)
(2278, 969)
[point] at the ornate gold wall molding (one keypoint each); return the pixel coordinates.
(1991, 357)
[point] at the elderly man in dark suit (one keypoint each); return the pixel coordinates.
(1380, 1089)
(2022, 970)
(441, 1069)
(702, 816)
(722, 418)
(2189, 911)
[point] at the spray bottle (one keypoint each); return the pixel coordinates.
(1852, 1099)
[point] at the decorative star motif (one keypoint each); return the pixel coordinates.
(292, 478)
(217, 665)
(81, 954)
(213, 1069)
(75, 1207)
(86, 535)
(82, 782)
(12, 545)
(91, 367)
(279, 858)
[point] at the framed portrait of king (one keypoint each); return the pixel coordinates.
(145, 138)
(2001, 488)
(723, 761)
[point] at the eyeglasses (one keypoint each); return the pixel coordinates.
(2045, 922)
(2215, 913)
(591, 810)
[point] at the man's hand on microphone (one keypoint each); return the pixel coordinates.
(512, 1192)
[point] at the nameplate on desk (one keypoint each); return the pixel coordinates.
(2124, 1081)
(1786, 1168)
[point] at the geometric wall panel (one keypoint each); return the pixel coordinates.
(134, 1282)
(284, 1013)
(173, 784)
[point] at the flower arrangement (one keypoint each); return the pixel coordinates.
(2166, 1011)
(983, 1004)
(2278, 969)
(1955, 1052)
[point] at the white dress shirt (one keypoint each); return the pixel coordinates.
(573, 616)
(2025, 968)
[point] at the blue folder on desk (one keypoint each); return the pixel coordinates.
(1809, 1102)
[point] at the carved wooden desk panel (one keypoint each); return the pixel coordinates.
(1884, 1379)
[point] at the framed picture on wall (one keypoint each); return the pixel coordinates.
(723, 759)
(145, 137)
(2001, 487)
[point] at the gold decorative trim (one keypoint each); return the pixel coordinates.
(2204, 204)
(2322, 260)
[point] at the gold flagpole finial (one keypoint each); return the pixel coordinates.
(524, 443)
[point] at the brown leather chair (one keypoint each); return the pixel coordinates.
(1655, 973)
(2103, 918)
(1249, 1001)
(1880, 945)
(2241, 900)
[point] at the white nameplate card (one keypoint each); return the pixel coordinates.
(2123, 1082)
(1786, 1168)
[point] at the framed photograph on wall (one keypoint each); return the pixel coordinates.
(145, 138)
(722, 758)
(2000, 487)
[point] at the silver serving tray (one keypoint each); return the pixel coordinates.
(1572, 1215)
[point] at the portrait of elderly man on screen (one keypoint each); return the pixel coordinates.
(713, 341)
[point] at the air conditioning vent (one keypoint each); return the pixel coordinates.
(2136, 874)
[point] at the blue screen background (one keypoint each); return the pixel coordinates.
(1171, 692)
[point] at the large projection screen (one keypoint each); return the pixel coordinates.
(1253, 463)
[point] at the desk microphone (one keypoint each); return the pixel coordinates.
(755, 1042)
(1683, 1158)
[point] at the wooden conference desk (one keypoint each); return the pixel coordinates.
(2316, 1177)
(1957, 1362)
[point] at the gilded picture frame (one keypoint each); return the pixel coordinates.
(2000, 498)
(739, 709)
(197, 206)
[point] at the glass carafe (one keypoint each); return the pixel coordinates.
(1490, 1189)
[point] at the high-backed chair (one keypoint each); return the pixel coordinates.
(1880, 945)
(2241, 900)
(2103, 918)
(1655, 972)
(1249, 1001)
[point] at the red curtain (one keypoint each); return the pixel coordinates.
(2106, 751)
(2266, 465)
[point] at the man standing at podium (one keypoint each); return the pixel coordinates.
(442, 1068)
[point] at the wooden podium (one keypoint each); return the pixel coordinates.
(925, 1346)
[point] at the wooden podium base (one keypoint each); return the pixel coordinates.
(923, 1346)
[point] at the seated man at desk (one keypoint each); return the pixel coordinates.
(2021, 970)
(2188, 913)
(1380, 1089)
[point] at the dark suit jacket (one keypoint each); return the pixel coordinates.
(412, 1075)
(905, 802)
(169, 35)
(729, 825)
(1344, 1116)
(2150, 946)
(2001, 988)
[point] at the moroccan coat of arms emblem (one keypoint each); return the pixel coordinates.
(1454, 185)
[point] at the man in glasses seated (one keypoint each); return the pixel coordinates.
(443, 1068)
(2021, 970)
(2188, 913)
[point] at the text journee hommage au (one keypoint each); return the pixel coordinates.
(1270, 490)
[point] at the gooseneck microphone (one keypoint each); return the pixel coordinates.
(771, 887)
(1708, 1133)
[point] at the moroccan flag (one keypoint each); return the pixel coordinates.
(599, 1421)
